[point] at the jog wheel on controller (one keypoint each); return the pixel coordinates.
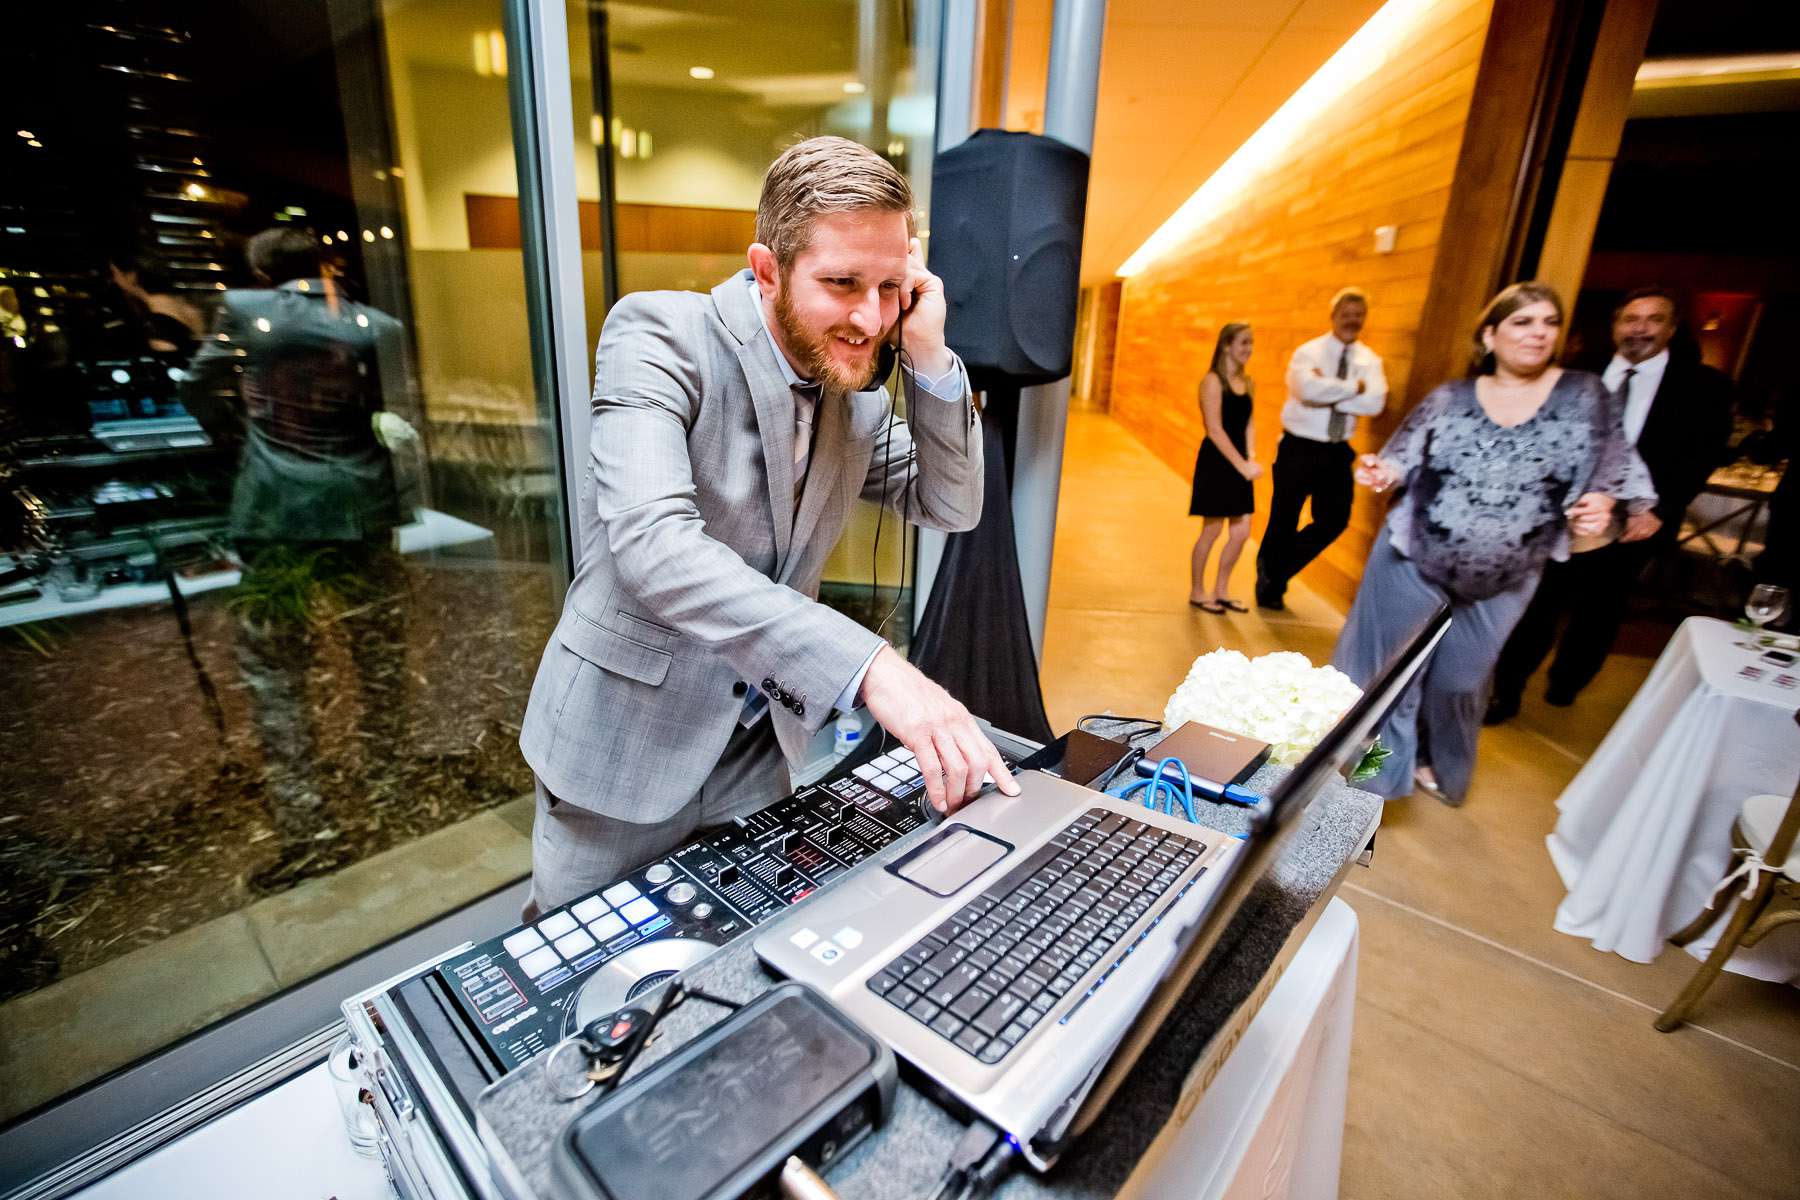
(619, 981)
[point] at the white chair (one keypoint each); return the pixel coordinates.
(1767, 863)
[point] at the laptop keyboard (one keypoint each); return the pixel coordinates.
(986, 975)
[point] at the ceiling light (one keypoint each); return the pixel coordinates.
(1367, 52)
(854, 87)
(1667, 72)
(701, 72)
(489, 49)
(27, 134)
(387, 231)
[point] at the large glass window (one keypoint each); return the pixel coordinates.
(279, 506)
(701, 100)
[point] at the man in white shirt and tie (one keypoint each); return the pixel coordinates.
(1677, 413)
(1331, 380)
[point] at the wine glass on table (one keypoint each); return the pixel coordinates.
(1767, 603)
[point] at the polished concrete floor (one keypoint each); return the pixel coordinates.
(1493, 1056)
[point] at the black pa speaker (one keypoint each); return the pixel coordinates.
(1006, 214)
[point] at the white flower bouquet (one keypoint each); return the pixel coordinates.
(1281, 699)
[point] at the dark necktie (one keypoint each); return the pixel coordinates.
(1339, 427)
(1623, 391)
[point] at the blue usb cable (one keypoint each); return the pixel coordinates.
(1160, 794)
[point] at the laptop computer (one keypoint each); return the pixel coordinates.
(1013, 951)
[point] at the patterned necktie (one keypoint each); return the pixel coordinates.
(806, 406)
(1339, 427)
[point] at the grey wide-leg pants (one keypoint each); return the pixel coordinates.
(1438, 719)
(575, 850)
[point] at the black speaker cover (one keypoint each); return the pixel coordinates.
(1006, 214)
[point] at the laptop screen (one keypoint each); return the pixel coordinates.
(1270, 822)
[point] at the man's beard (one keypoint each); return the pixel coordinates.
(814, 351)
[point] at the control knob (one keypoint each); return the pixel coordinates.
(660, 874)
(703, 910)
(681, 893)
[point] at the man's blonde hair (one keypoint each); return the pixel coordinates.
(825, 175)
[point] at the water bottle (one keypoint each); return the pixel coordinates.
(849, 736)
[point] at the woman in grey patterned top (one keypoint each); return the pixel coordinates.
(1496, 472)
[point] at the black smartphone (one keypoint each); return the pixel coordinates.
(1078, 757)
(1781, 658)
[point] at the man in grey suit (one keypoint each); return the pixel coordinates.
(732, 434)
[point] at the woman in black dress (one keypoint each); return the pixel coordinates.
(1225, 468)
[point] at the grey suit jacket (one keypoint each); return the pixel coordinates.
(696, 573)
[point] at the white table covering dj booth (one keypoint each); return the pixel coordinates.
(1645, 831)
(1270, 1125)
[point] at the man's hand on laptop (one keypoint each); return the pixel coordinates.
(954, 756)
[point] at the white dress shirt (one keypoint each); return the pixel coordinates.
(1312, 398)
(1640, 394)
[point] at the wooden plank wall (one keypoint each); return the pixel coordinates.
(656, 228)
(1386, 155)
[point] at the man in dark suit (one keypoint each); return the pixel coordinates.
(1677, 412)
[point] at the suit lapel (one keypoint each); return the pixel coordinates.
(822, 471)
(771, 398)
(1661, 417)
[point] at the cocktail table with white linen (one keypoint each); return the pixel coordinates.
(1645, 832)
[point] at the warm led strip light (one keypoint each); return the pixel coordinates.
(1367, 51)
(1734, 68)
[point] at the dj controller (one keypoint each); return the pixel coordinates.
(432, 1039)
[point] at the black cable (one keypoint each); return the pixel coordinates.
(209, 695)
(1148, 722)
(887, 444)
(975, 1145)
(672, 995)
(1105, 781)
(721, 1001)
(991, 1169)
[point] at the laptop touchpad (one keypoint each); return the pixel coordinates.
(952, 857)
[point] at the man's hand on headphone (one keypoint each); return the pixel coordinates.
(922, 312)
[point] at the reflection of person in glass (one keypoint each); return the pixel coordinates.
(313, 510)
(171, 325)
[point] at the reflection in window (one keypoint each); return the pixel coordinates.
(278, 508)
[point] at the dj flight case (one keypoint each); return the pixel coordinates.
(431, 1039)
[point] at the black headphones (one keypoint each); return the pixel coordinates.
(887, 358)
